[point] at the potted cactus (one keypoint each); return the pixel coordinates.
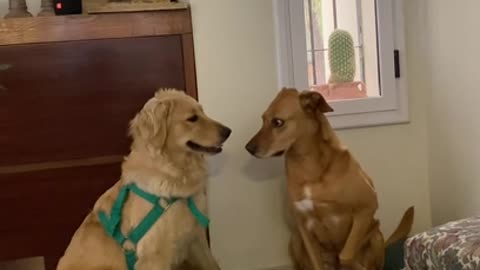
(341, 56)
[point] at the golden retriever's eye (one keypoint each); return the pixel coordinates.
(277, 122)
(193, 118)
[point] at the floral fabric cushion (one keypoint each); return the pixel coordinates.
(453, 246)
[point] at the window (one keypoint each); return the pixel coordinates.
(351, 51)
(354, 47)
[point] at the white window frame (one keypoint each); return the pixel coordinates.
(390, 108)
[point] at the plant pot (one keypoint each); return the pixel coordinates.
(342, 91)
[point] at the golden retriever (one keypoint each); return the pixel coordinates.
(333, 199)
(171, 135)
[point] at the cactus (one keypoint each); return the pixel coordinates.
(341, 56)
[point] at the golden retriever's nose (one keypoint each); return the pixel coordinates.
(225, 132)
(251, 148)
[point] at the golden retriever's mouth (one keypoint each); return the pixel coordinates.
(205, 149)
(279, 153)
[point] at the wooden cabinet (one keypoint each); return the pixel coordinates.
(68, 88)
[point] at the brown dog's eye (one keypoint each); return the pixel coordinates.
(193, 118)
(277, 122)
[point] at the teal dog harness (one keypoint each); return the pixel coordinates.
(129, 242)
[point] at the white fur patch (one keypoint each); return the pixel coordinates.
(304, 205)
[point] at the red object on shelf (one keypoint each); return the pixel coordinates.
(67, 7)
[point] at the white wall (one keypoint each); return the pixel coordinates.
(454, 123)
(236, 77)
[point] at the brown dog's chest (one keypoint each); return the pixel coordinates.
(332, 219)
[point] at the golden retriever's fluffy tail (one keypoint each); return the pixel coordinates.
(403, 228)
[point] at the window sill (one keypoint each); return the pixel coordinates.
(397, 114)
(368, 119)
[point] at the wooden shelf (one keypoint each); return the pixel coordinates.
(137, 7)
(96, 26)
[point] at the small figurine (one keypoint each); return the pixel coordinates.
(17, 9)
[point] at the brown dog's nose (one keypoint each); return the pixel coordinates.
(251, 148)
(225, 132)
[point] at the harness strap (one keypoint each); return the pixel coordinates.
(116, 234)
(152, 198)
(131, 259)
(146, 224)
(199, 216)
(112, 224)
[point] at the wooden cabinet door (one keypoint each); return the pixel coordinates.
(64, 114)
(73, 100)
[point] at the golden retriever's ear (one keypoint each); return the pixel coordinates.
(150, 124)
(314, 102)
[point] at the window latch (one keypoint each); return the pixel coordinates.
(396, 63)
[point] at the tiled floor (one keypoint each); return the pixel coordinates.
(25, 264)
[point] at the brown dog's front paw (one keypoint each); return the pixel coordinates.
(346, 259)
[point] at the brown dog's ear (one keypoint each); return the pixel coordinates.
(150, 124)
(313, 102)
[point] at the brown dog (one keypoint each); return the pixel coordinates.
(171, 135)
(333, 199)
